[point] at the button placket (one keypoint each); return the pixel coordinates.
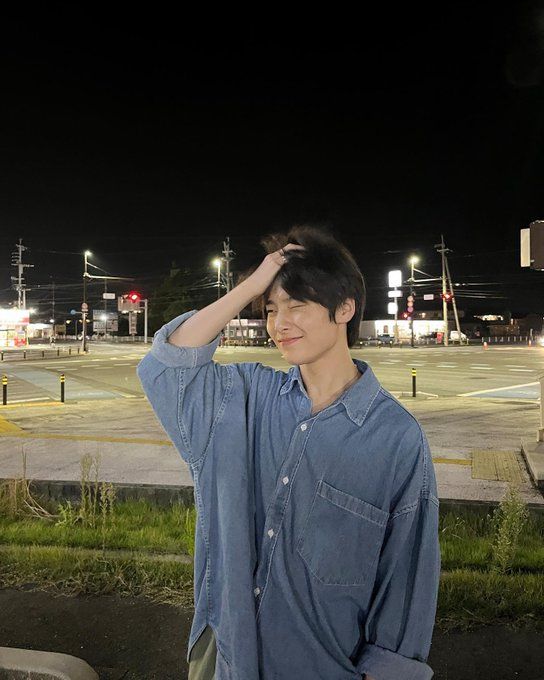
(275, 514)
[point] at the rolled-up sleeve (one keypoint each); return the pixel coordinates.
(188, 391)
(401, 618)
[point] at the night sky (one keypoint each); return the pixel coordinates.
(151, 139)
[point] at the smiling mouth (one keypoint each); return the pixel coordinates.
(288, 342)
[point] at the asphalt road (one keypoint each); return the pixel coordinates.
(108, 371)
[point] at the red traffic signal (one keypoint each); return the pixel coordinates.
(447, 296)
(133, 296)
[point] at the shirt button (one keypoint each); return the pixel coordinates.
(271, 532)
(285, 480)
(303, 426)
(257, 591)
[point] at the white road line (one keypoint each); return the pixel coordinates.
(122, 364)
(481, 368)
(417, 363)
(101, 368)
(521, 370)
(516, 366)
(446, 365)
(386, 362)
(17, 401)
(497, 389)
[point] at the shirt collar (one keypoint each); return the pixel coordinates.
(357, 400)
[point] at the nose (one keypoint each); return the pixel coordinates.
(281, 322)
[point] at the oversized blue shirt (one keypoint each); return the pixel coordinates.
(316, 549)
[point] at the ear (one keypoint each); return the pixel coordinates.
(345, 311)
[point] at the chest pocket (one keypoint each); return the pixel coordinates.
(341, 541)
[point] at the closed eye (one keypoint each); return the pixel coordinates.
(270, 311)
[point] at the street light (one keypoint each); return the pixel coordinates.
(217, 263)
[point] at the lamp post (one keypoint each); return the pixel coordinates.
(413, 261)
(217, 263)
(84, 305)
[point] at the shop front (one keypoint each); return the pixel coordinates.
(14, 327)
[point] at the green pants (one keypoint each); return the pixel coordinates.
(202, 658)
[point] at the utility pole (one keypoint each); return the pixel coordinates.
(453, 302)
(227, 256)
(17, 261)
(441, 248)
(84, 306)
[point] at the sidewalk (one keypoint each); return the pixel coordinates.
(475, 444)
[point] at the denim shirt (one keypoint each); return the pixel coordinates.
(316, 548)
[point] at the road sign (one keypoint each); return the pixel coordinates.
(108, 296)
(132, 323)
(84, 307)
(428, 296)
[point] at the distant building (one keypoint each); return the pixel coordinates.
(14, 327)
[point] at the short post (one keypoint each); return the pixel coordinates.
(69, 351)
(78, 350)
(62, 380)
(1, 356)
(414, 374)
(58, 352)
(24, 354)
(43, 354)
(4, 389)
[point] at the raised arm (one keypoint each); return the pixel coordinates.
(203, 326)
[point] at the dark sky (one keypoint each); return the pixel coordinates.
(151, 139)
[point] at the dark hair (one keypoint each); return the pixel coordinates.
(324, 272)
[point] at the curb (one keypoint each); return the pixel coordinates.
(164, 495)
(26, 663)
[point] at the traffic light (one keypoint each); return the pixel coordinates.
(447, 297)
(409, 307)
(130, 302)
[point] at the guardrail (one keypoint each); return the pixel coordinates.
(38, 353)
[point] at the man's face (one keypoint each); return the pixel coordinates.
(308, 322)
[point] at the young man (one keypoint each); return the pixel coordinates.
(317, 553)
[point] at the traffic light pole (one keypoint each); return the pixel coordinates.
(145, 321)
(412, 304)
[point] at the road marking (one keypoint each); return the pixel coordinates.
(452, 461)
(481, 368)
(497, 389)
(446, 365)
(417, 363)
(101, 368)
(387, 362)
(521, 370)
(516, 366)
(122, 364)
(85, 438)
(7, 427)
(20, 401)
